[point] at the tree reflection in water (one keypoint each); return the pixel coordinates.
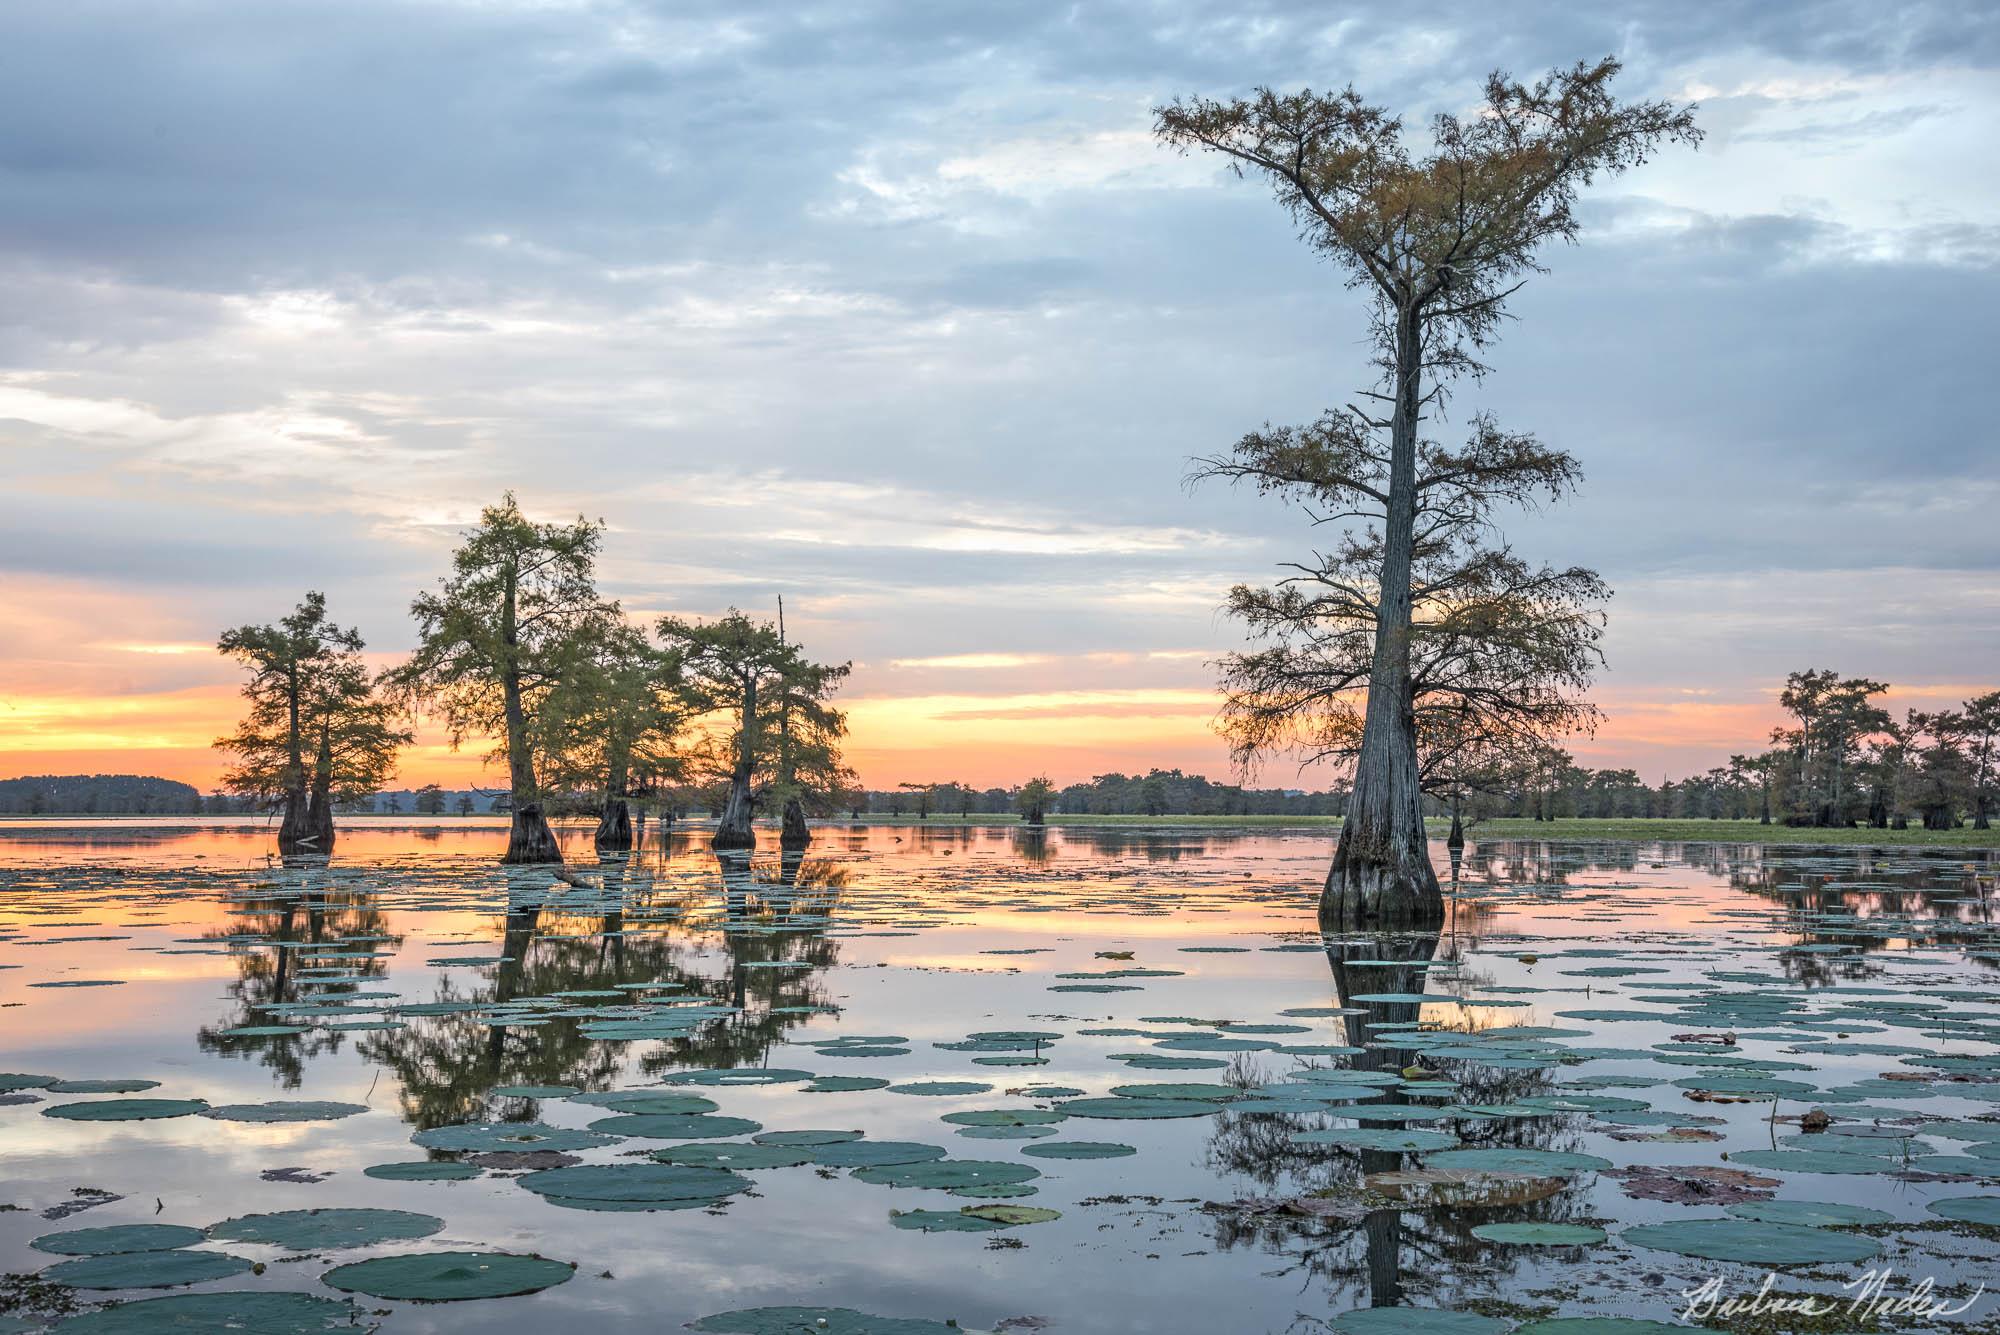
(1375, 1260)
(302, 919)
(447, 1065)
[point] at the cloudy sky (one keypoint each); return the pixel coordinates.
(895, 309)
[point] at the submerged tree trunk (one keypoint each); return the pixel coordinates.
(529, 840)
(795, 834)
(1455, 841)
(614, 827)
(733, 830)
(294, 825)
(319, 807)
(1382, 873)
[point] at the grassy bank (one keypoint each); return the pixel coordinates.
(1636, 831)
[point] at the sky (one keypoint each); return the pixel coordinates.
(897, 311)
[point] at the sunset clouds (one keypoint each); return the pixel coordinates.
(895, 310)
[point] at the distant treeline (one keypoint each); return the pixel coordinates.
(1159, 792)
(97, 795)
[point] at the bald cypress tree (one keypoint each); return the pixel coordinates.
(1438, 238)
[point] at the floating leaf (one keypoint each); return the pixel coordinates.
(444, 1277)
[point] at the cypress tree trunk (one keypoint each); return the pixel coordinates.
(294, 825)
(1979, 820)
(529, 839)
(1455, 841)
(614, 827)
(1034, 816)
(796, 834)
(319, 808)
(1382, 873)
(733, 830)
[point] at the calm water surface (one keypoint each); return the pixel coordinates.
(1588, 990)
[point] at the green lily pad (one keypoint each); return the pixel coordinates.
(446, 1277)
(941, 1088)
(839, 1084)
(632, 1183)
(1012, 1215)
(745, 1157)
(421, 1170)
(1079, 1149)
(1968, 1209)
(476, 1137)
(1118, 1108)
(1812, 1214)
(533, 1091)
(100, 1086)
(942, 1221)
(126, 1110)
(1599, 1325)
(115, 1238)
(1378, 1138)
(637, 1101)
(1416, 1321)
(947, 1174)
(741, 1075)
(145, 1270)
(315, 1230)
(675, 1126)
(1539, 1235)
(811, 1139)
(875, 1153)
(1541, 1163)
(308, 1110)
(238, 1313)
(1751, 1242)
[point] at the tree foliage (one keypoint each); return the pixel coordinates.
(1440, 240)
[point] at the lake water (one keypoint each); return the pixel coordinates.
(1592, 1014)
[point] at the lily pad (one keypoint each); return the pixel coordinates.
(745, 1157)
(1079, 1149)
(445, 1277)
(239, 1313)
(1968, 1209)
(1539, 1234)
(115, 1238)
(1117, 1108)
(315, 1230)
(1751, 1242)
(1812, 1214)
(126, 1110)
(1416, 1321)
(308, 1110)
(145, 1270)
(421, 1170)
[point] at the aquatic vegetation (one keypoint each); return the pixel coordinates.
(1356, 1102)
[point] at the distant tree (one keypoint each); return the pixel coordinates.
(393, 805)
(1835, 716)
(465, 807)
(608, 728)
(773, 734)
(1440, 241)
(497, 637)
(923, 792)
(1032, 799)
(1153, 796)
(316, 726)
(430, 800)
(1976, 733)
